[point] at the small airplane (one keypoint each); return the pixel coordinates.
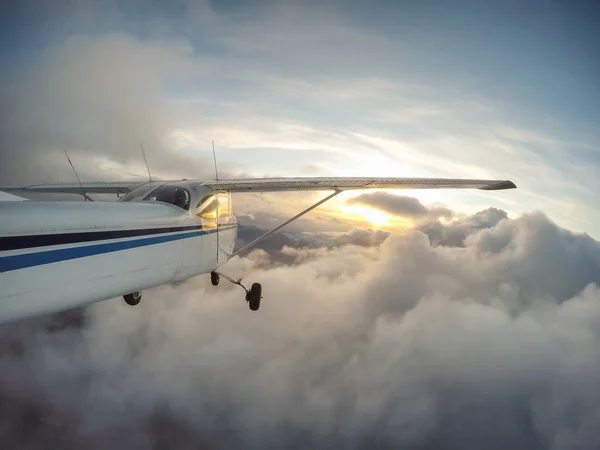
(58, 255)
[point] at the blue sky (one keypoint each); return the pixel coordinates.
(462, 89)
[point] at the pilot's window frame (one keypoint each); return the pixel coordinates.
(186, 207)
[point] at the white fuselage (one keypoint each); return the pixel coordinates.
(60, 255)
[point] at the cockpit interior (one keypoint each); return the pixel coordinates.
(175, 195)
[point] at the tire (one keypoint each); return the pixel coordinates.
(215, 278)
(133, 299)
(254, 296)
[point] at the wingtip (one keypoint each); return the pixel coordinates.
(500, 186)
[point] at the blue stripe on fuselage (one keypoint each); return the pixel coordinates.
(15, 262)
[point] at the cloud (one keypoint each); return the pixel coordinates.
(282, 247)
(454, 233)
(409, 345)
(99, 99)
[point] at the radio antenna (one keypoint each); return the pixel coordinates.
(217, 197)
(215, 160)
(146, 161)
(85, 196)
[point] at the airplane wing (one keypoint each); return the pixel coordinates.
(350, 183)
(276, 185)
(6, 197)
(101, 187)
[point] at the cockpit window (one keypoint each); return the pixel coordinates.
(207, 208)
(214, 205)
(174, 195)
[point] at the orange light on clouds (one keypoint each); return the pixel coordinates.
(365, 215)
(371, 215)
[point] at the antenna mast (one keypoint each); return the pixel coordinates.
(215, 160)
(146, 161)
(85, 196)
(217, 197)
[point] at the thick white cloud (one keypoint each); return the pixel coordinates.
(99, 99)
(453, 234)
(493, 344)
(277, 247)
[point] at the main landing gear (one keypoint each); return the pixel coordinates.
(253, 295)
(133, 299)
(215, 278)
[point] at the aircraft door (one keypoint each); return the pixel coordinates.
(214, 213)
(227, 232)
(206, 212)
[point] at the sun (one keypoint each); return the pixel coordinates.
(371, 215)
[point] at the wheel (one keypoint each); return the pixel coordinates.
(215, 278)
(133, 299)
(253, 296)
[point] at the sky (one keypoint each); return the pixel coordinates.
(505, 90)
(463, 318)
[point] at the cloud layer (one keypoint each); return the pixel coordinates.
(487, 342)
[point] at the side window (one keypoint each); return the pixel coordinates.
(207, 208)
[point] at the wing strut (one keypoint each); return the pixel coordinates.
(310, 208)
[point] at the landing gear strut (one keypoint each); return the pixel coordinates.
(133, 299)
(253, 295)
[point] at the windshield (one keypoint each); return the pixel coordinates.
(138, 194)
(175, 195)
